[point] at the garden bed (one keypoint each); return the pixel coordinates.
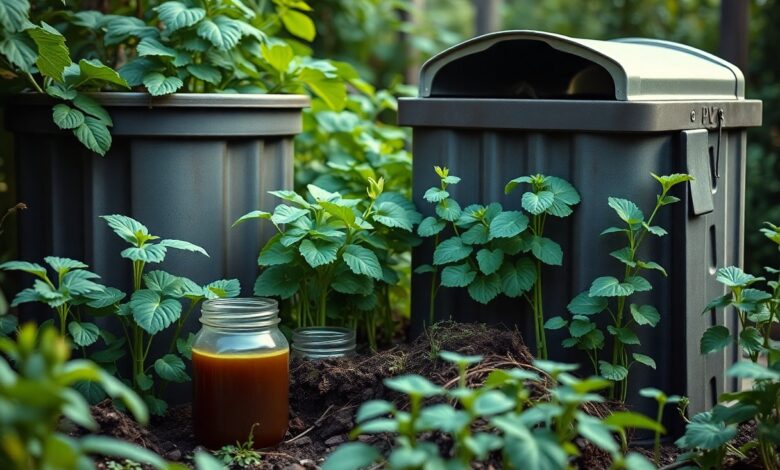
(325, 396)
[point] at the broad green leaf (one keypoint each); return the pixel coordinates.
(252, 215)
(564, 196)
(609, 286)
(443, 417)
(715, 339)
(732, 276)
(348, 282)
(373, 409)
(612, 372)
(274, 253)
(284, 214)
(413, 385)
(25, 296)
(79, 282)
(182, 245)
(632, 420)
(450, 251)
(460, 275)
(645, 314)
(278, 55)
(53, 54)
(148, 253)
(492, 402)
(667, 181)
(518, 277)
(537, 450)
(546, 251)
(152, 47)
(625, 334)
(430, 226)
(508, 224)
(134, 71)
(8, 324)
(91, 107)
(176, 15)
(158, 84)
(223, 32)
(152, 312)
(291, 196)
(596, 432)
(456, 358)
(485, 288)
(94, 134)
(639, 283)
(344, 214)
(754, 371)
(318, 253)
(332, 91)
(434, 195)
(584, 304)
(448, 209)
(751, 340)
(14, 14)
(119, 28)
(477, 234)
(277, 281)
(625, 256)
(643, 359)
(392, 215)
(626, 210)
(66, 117)
(655, 230)
(352, 456)
(555, 323)
(103, 445)
(489, 261)
(652, 265)
(298, 24)
(163, 283)
(580, 326)
(63, 265)
(129, 229)
(704, 434)
(171, 368)
(83, 333)
(515, 182)
(94, 69)
(19, 51)
(30, 268)
(205, 72)
(362, 261)
(223, 288)
(536, 203)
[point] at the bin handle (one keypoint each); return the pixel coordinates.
(721, 120)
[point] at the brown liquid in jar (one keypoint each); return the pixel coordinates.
(235, 391)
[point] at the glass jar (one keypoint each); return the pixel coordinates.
(240, 363)
(322, 342)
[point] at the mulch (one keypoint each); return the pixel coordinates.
(324, 396)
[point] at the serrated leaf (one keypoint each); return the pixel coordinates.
(392, 215)
(30, 268)
(19, 51)
(645, 315)
(626, 210)
(14, 14)
(347, 282)
(434, 195)
(66, 117)
(715, 339)
(205, 72)
(298, 24)
(134, 71)
(222, 288)
(485, 288)
(278, 281)
(148, 253)
(92, 108)
(546, 251)
(555, 323)
(158, 84)
(460, 275)
(183, 245)
(655, 230)
(489, 261)
(83, 333)
(223, 32)
(78, 282)
(163, 283)
(584, 304)
(625, 256)
(477, 234)
(152, 312)
(94, 134)
(732, 276)
(53, 55)
(362, 261)
(652, 265)
(274, 253)
(176, 15)
(127, 228)
(344, 214)
(609, 286)
(537, 203)
(94, 69)
(450, 251)
(646, 360)
(580, 326)
(508, 224)
(105, 298)
(612, 372)
(430, 226)
(318, 252)
(625, 335)
(171, 368)
(518, 277)
(448, 209)
(639, 283)
(352, 455)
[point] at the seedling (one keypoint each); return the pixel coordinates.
(610, 294)
(243, 454)
(662, 399)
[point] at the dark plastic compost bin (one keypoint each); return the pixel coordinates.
(602, 115)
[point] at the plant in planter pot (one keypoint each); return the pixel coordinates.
(332, 246)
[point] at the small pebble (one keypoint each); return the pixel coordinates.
(304, 441)
(174, 455)
(335, 440)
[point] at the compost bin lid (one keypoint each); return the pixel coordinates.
(534, 64)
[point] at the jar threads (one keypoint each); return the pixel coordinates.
(323, 342)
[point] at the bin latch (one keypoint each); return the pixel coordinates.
(721, 119)
(695, 148)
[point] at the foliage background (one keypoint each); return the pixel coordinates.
(387, 40)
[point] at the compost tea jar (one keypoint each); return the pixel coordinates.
(241, 373)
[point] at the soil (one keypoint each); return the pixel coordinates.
(324, 396)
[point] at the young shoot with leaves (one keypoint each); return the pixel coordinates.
(332, 246)
(610, 294)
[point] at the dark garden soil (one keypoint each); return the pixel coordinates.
(324, 397)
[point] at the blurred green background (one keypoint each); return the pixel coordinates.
(387, 40)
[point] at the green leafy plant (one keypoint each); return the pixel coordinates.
(499, 418)
(332, 246)
(242, 454)
(708, 435)
(35, 393)
(39, 55)
(492, 251)
(612, 295)
(155, 305)
(551, 196)
(662, 400)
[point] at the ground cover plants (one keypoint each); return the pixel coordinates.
(154, 305)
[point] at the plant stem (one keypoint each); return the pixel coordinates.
(657, 442)
(434, 284)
